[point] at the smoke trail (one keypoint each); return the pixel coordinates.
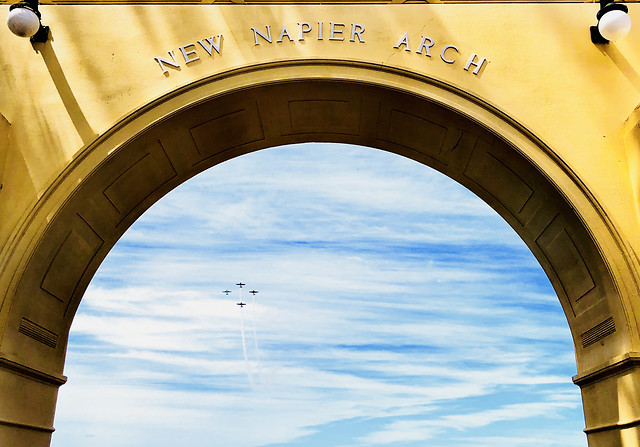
(244, 350)
(255, 336)
(270, 376)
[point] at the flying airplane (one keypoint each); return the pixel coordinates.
(240, 284)
(253, 292)
(227, 292)
(241, 304)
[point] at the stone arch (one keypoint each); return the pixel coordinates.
(107, 187)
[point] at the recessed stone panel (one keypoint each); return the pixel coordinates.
(71, 260)
(457, 148)
(228, 130)
(411, 131)
(497, 178)
(324, 116)
(570, 267)
(140, 179)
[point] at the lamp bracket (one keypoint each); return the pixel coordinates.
(608, 7)
(31, 5)
(41, 36)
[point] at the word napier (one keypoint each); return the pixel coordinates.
(334, 31)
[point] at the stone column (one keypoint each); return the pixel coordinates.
(611, 400)
(27, 405)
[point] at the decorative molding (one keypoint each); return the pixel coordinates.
(5, 127)
(32, 373)
(616, 426)
(27, 426)
(615, 366)
(292, 2)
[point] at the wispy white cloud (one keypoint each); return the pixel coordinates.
(422, 430)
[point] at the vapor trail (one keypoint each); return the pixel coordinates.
(255, 337)
(244, 350)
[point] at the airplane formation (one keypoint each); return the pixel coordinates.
(240, 284)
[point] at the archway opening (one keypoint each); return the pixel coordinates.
(395, 308)
(171, 140)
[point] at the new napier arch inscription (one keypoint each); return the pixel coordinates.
(259, 93)
(335, 32)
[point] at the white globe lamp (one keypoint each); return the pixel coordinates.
(614, 25)
(24, 21)
(613, 22)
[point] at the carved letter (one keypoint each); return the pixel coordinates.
(404, 41)
(163, 61)
(448, 47)
(425, 46)
(186, 54)
(319, 30)
(283, 33)
(356, 30)
(334, 31)
(257, 33)
(303, 30)
(213, 45)
(478, 64)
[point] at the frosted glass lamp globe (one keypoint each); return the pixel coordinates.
(23, 22)
(614, 25)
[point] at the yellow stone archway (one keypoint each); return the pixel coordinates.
(69, 221)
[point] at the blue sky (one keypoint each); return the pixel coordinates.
(394, 308)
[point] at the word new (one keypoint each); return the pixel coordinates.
(210, 44)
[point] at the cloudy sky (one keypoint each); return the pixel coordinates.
(394, 308)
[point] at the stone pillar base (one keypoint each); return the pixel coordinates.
(23, 436)
(629, 437)
(27, 406)
(611, 400)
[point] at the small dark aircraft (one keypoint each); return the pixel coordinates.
(227, 292)
(253, 292)
(241, 304)
(240, 284)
